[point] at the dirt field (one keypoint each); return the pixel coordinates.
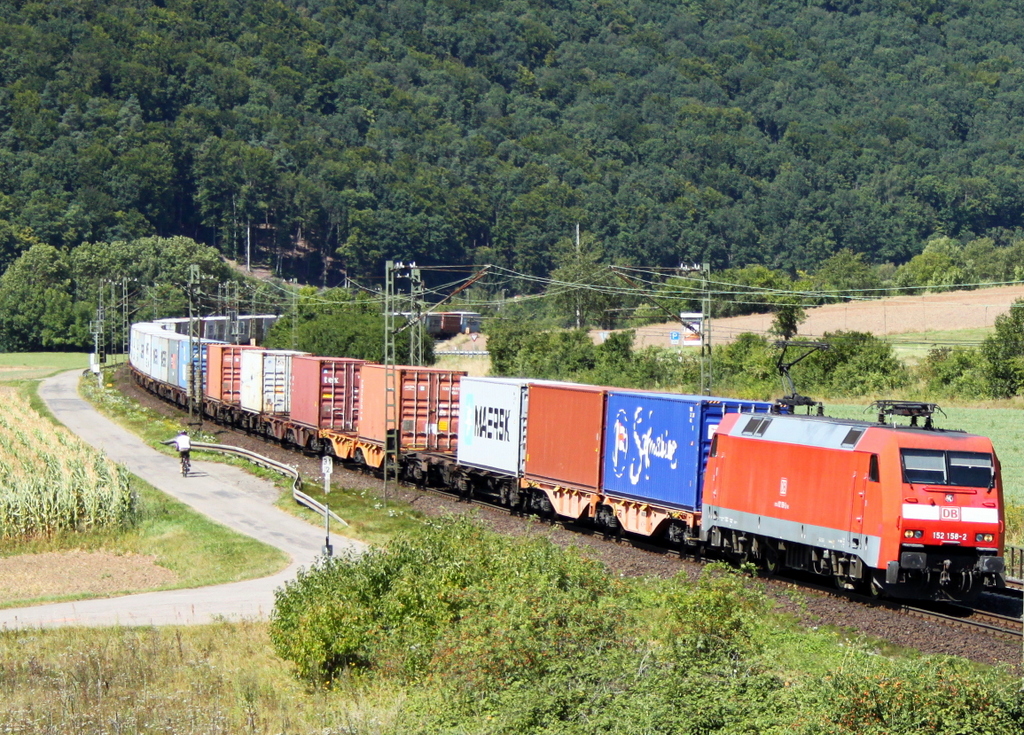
(926, 313)
(99, 573)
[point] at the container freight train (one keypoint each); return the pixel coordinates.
(906, 511)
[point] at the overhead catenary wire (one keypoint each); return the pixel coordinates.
(502, 278)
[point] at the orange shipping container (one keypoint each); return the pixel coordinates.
(427, 402)
(564, 434)
(224, 371)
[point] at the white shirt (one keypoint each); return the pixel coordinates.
(182, 442)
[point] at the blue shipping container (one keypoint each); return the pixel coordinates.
(182, 376)
(656, 444)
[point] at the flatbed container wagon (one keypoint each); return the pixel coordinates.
(564, 433)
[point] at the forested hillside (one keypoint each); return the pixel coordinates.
(450, 131)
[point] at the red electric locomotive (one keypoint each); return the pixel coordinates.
(908, 511)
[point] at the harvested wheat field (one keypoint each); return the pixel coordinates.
(899, 315)
(64, 573)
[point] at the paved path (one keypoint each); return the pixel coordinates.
(224, 493)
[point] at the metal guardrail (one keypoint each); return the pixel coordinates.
(272, 464)
(463, 353)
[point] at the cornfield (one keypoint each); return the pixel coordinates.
(51, 481)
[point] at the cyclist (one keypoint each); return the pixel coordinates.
(184, 446)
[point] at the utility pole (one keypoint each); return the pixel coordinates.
(94, 327)
(111, 335)
(706, 381)
(391, 457)
(232, 332)
(101, 320)
(125, 317)
(295, 314)
(195, 412)
(416, 300)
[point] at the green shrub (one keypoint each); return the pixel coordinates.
(430, 602)
(956, 372)
(487, 634)
(937, 696)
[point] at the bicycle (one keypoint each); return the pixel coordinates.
(186, 465)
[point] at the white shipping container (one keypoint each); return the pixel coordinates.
(492, 414)
(277, 380)
(146, 363)
(267, 380)
(251, 393)
(138, 349)
(161, 358)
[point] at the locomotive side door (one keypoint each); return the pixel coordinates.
(858, 499)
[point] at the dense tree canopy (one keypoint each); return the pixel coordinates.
(738, 131)
(51, 299)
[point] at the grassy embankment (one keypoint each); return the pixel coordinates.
(503, 636)
(914, 346)
(226, 678)
(198, 551)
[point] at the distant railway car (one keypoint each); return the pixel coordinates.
(246, 329)
(469, 321)
(446, 324)
(908, 511)
(252, 329)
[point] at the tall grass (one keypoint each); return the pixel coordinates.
(51, 482)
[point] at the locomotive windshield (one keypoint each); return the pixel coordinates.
(935, 467)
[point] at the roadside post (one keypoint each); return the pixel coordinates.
(327, 467)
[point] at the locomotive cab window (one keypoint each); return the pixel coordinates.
(970, 469)
(924, 466)
(935, 467)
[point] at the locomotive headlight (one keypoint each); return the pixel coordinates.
(983, 537)
(912, 534)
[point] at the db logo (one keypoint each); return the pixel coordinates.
(951, 514)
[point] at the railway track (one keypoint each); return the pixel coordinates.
(1004, 626)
